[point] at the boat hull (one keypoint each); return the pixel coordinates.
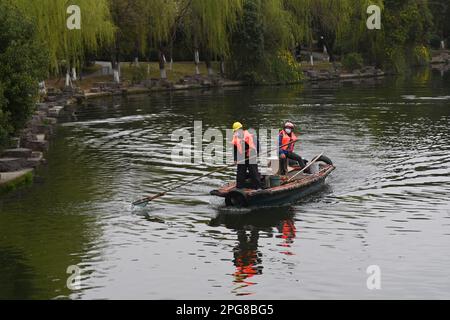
(287, 193)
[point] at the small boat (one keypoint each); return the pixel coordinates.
(291, 188)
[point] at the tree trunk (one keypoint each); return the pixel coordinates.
(171, 58)
(68, 83)
(162, 64)
(136, 53)
(222, 67)
(311, 58)
(74, 74)
(209, 65)
(197, 62)
(116, 70)
(115, 64)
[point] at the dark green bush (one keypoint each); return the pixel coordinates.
(435, 41)
(352, 61)
(138, 74)
(23, 63)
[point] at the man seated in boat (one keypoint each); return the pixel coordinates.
(245, 156)
(286, 140)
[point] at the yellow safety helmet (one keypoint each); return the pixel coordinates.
(237, 126)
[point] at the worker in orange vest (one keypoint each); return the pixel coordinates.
(245, 156)
(287, 136)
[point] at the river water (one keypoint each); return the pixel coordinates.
(386, 205)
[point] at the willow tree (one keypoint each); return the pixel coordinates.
(209, 25)
(278, 26)
(355, 37)
(130, 35)
(328, 19)
(68, 47)
(162, 17)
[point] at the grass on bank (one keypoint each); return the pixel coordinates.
(149, 70)
(10, 186)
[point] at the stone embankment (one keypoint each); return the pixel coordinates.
(441, 61)
(101, 89)
(17, 163)
(338, 75)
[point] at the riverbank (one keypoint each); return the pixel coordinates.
(440, 60)
(180, 77)
(19, 161)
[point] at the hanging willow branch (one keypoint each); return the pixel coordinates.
(67, 45)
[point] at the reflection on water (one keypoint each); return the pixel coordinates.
(248, 260)
(386, 204)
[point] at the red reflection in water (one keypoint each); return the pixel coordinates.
(246, 260)
(247, 257)
(288, 234)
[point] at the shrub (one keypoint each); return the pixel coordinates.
(421, 56)
(284, 69)
(352, 61)
(252, 78)
(23, 62)
(138, 74)
(435, 41)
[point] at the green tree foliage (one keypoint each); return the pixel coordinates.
(67, 45)
(352, 61)
(248, 48)
(440, 10)
(208, 26)
(23, 62)
(250, 34)
(406, 27)
(264, 33)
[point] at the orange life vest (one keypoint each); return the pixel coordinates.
(286, 139)
(248, 139)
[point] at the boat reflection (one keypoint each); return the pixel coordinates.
(247, 260)
(288, 232)
(247, 256)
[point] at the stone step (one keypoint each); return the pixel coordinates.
(7, 177)
(41, 145)
(50, 120)
(42, 107)
(55, 111)
(36, 159)
(12, 164)
(47, 130)
(17, 153)
(37, 155)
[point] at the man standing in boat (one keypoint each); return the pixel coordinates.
(286, 140)
(245, 156)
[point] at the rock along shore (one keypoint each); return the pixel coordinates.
(18, 163)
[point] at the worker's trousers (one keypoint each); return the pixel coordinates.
(290, 156)
(242, 175)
